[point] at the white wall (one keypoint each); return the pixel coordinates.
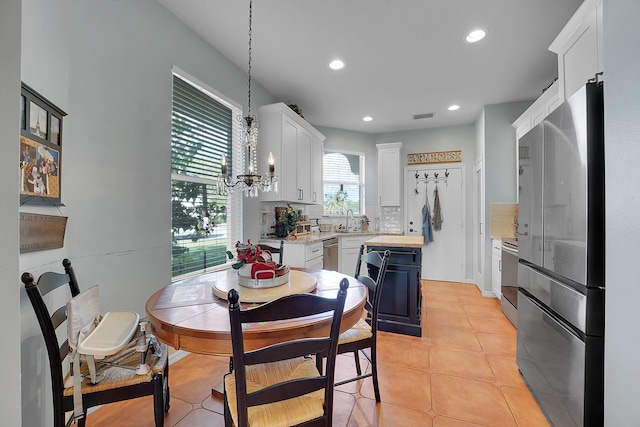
(9, 136)
(108, 65)
(622, 152)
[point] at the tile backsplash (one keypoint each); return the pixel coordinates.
(390, 219)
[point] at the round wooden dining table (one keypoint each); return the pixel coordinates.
(188, 315)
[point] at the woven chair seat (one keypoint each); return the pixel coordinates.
(282, 413)
(119, 376)
(359, 331)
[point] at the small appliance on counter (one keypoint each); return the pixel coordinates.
(281, 229)
(325, 225)
(304, 227)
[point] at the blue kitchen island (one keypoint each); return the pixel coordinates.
(401, 299)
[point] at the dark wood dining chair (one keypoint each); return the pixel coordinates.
(274, 250)
(279, 385)
(118, 383)
(371, 269)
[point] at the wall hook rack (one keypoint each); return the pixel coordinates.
(426, 178)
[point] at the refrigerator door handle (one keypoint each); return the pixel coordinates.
(554, 321)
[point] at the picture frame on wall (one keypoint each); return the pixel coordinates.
(40, 149)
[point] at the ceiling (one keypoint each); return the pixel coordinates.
(403, 57)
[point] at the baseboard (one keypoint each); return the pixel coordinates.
(177, 355)
(489, 294)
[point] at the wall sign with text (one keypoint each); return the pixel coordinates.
(435, 157)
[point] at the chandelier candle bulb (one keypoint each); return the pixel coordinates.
(272, 166)
(223, 165)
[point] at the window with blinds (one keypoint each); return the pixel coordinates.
(343, 177)
(204, 224)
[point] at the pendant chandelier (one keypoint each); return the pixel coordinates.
(249, 182)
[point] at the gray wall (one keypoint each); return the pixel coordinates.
(357, 142)
(9, 133)
(441, 139)
(622, 152)
(495, 128)
(499, 142)
(108, 65)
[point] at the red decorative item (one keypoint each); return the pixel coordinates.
(262, 269)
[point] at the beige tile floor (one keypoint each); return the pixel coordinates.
(460, 373)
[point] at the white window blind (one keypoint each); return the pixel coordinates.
(343, 177)
(204, 225)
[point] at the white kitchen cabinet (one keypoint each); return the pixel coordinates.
(496, 268)
(579, 48)
(303, 163)
(292, 141)
(348, 253)
(541, 108)
(389, 175)
(317, 151)
(303, 255)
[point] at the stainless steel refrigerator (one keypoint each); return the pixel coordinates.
(561, 269)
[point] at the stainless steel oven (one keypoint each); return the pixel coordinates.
(509, 280)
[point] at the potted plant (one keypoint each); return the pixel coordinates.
(364, 223)
(290, 219)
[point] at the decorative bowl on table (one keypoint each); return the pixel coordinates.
(252, 276)
(256, 267)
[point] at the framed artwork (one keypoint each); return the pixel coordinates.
(40, 149)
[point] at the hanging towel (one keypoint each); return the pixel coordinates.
(427, 232)
(437, 211)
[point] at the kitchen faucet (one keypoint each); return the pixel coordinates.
(349, 210)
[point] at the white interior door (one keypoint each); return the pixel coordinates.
(444, 258)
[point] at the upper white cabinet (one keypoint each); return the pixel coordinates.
(317, 151)
(389, 175)
(295, 145)
(579, 48)
(540, 109)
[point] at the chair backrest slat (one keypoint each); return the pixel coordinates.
(59, 316)
(50, 281)
(287, 350)
(288, 307)
(286, 390)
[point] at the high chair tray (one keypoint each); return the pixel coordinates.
(111, 335)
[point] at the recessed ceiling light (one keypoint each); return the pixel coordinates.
(367, 118)
(453, 107)
(476, 35)
(336, 64)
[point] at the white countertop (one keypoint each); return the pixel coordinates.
(318, 237)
